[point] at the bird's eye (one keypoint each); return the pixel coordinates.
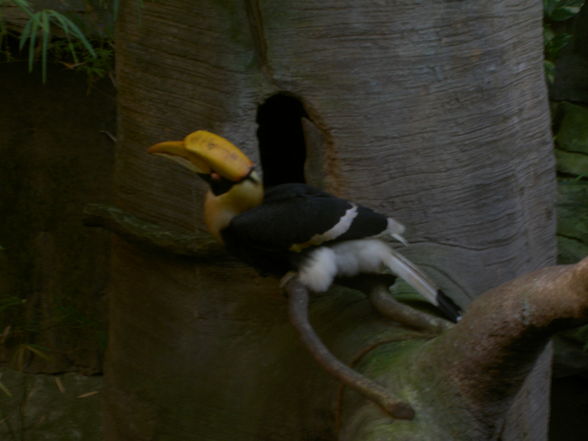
(220, 185)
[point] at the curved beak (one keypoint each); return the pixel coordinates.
(206, 153)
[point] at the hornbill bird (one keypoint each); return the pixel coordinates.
(293, 228)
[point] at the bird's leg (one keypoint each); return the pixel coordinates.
(388, 306)
(298, 309)
(376, 287)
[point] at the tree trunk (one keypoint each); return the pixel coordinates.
(432, 112)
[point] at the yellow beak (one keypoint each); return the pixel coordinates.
(206, 153)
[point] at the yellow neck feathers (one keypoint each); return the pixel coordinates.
(219, 210)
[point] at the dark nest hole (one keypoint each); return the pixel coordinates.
(282, 147)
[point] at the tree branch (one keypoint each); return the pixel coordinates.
(141, 232)
(505, 329)
(463, 382)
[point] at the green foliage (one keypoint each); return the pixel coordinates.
(571, 141)
(572, 129)
(555, 42)
(555, 34)
(582, 335)
(51, 33)
(94, 66)
(559, 10)
(41, 23)
(571, 152)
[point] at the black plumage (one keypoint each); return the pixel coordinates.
(259, 237)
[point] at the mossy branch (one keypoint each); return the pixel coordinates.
(468, 376)
(505, 329)
(148, 234)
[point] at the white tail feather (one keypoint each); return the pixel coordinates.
(319, 269)
(322, 265)
(411, 274)
(361, 256)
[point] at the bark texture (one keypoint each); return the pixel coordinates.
(433, 112)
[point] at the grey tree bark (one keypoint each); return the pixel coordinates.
(432, 112)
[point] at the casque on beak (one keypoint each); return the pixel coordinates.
(207, 154)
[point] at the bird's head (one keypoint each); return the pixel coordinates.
(234, 185)
(215, 159)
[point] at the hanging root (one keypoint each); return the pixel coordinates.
(298, 307)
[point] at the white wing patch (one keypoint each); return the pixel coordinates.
(319, 269)
(332, 233)
(347, 259)
(322, 265)
(355, 257)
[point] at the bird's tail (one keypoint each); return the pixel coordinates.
(415, 277)
(352, 257)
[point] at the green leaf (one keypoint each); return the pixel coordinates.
(564, 13)
(40, 23)
(70, 28)
(556, 44)
(25, 34)
(548, 34)
(572, 134)
(570, 250)
(560, 10)
(571, 163)
(24, 6)
(31, 35)
(549, 67)
(549, 6)
(572, 212)
(46, 35)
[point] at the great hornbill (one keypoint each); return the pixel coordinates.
(293, 227)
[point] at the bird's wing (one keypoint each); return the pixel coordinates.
(415, 277)
(296, 216)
